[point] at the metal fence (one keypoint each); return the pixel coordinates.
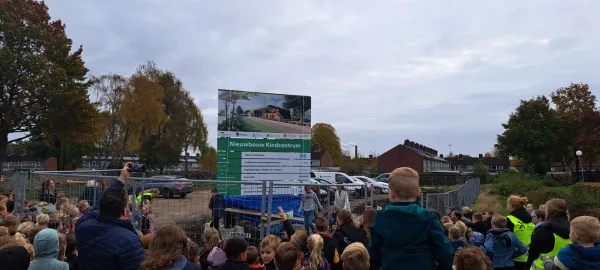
(252, 216)
(462, 196)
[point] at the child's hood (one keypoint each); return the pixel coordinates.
(584, 255)
(46, 244)
(503, 235)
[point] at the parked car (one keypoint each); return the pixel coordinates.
(170, 185)
(327, 193)
(342, 178)
(382, 177)
(378, 187)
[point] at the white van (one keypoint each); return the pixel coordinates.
(342, 178)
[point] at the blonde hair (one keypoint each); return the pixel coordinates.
(73, 212)
(30, 250)
(516, 202)
(271, 241)
(499, 221)
(211, 238)
(447, 226)
(3, 231)
(42, 219)
(588, 229)
(315, 245)
(356, 257)
(404, 183)
(25, 227)
(454, 233)
(168, 244)
(463, 228)
(446, 220)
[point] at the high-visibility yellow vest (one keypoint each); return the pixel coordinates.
(523, 232)
(559, 243)
(139, 197)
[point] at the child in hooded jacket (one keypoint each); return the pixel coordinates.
(584, 253)
(501, 245)
(46, 247)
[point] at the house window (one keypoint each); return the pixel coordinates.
(500, 167)
(469, 167)
(93, 163)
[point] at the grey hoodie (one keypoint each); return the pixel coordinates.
(46, 252)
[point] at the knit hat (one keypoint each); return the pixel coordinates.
(16, 256)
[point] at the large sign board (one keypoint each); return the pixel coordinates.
(262, 136)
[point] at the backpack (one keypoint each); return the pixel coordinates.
(215, 258)
(324, 265)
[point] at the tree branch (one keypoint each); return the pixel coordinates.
(22, 138)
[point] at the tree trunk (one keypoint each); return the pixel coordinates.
(3, 147)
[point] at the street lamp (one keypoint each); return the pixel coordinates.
(578, 153)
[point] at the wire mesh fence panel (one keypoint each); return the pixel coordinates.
(465, 195)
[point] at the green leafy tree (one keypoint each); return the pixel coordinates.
(41, 76)
(182, 130)
(533, 133)
(239, 110)
(324, 136)
(208, 160)
(480, 170)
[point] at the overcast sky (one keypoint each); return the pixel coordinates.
(436, 72)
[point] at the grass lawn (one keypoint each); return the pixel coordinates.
(253, 126)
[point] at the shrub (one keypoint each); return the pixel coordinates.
(480, 171)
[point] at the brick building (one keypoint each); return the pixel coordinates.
(414, 155)
(464, 163)
(321, 158)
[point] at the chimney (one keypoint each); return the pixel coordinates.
(355, 151)
(435, 152)
(370, 156)
(480, 156)
(412, 144)
(441, 155)
(406, 142)
(459, 156)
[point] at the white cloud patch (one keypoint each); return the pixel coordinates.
(437, 72)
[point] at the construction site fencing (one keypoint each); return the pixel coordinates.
(184, 202)
(465, 195)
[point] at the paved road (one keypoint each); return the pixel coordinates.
(279, 126)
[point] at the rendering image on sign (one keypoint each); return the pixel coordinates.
(263, 115)
(263, 137)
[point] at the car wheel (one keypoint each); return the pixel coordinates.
(182, 195)
(168, 193)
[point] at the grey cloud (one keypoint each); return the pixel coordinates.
(437, 72)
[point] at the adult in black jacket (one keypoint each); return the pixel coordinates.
(479, 224)
(48, 193)
(557, 222)
(520, 213)
(346, 232)
(217, 205)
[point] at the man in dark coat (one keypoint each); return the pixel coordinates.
(217, 205)
(104, 240)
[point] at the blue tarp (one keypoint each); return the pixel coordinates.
(254, 203)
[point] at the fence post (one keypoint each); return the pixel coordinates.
(21, 182)
(366, 196)
(263, 209)
(372, 197)
(269, 208)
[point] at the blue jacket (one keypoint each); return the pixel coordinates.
(217, 205)
(107, 243)
(406, 236)
(183, 264)
(46, 247)
(459, 244)
(578, 257)
(501, 245)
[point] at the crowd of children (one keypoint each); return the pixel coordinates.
(401, 236)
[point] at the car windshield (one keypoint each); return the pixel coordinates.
(323, 181)
(364, 179)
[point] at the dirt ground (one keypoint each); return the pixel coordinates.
(195, 206)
